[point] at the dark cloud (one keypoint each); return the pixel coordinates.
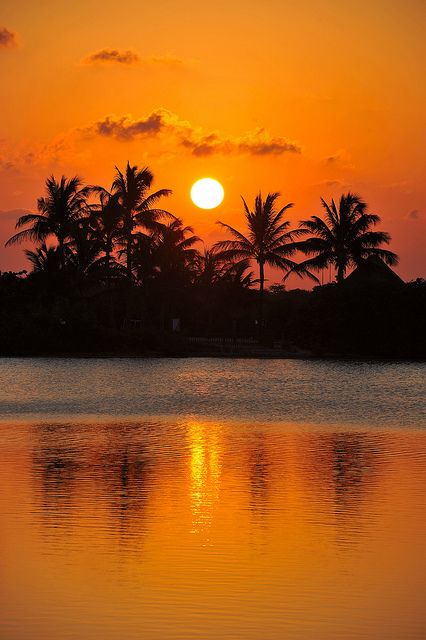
(333, 159)
(124, 128)
(7, 38)
(258, 142)
(128, 57)
(112, 56)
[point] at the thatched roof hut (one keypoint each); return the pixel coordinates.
(373, 272)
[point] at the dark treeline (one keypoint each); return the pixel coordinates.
(114, 272)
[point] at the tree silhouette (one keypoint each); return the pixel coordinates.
(164, 262)
(106, 223)
(173, 251)
(343, 238)
(59, 211)
(83, 248)
(132, 189)
(44, 259)
(209, 267)
(212, 268)
(239, 275)
(268, 241)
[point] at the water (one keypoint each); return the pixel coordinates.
(302, 391)
(192, 499)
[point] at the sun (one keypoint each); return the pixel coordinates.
(207, 193)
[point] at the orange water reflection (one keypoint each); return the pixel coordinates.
(205, 463)
(205, 530)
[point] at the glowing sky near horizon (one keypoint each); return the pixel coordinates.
(309, 98)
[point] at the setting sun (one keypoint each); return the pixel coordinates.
(207, 193)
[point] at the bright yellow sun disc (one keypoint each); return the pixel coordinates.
(207, 193)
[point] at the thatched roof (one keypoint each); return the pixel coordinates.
(373, 271)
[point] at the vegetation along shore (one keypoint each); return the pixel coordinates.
(113, 272)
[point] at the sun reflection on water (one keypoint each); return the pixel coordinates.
(205, 471)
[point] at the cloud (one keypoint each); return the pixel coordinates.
(258, 142)
(333, 159)
(339, 160)
(7, 38)
(414, 214)
(7, 164)
(125, 128)
(127, 57)
(114, 56)
(166, 60)
(164, 127)
(333, 183)
(62, 150)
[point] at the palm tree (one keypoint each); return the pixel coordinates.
(173, 250)
(83, 248)
(44, 259)
(165, 258)
(166, 252)
(132, 189)
(143, 248)
(343, 238)
(106, 223)
(209, 267)
(268, 241)
(58, 213)
(239, 275)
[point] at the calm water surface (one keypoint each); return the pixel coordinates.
(191, 499)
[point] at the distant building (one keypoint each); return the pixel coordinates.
(373, 271)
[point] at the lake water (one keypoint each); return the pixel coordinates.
(205, 498)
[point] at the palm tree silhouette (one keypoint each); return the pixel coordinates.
(106, 223)
(173, 248)
(166, 252)
(344, 238)
(59, 212)
(239, 275)
(131, 188)
(44, 259)
(209, 267)
(83, 248)
(166, 256)
(268, 241)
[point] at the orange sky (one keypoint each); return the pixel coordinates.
(307, 98)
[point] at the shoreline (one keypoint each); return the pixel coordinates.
(262, 354)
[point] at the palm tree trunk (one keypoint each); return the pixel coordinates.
(129, 238)
(129, 255)
(340, 273)
(261, 292)
(108, 249)
(61, 253)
